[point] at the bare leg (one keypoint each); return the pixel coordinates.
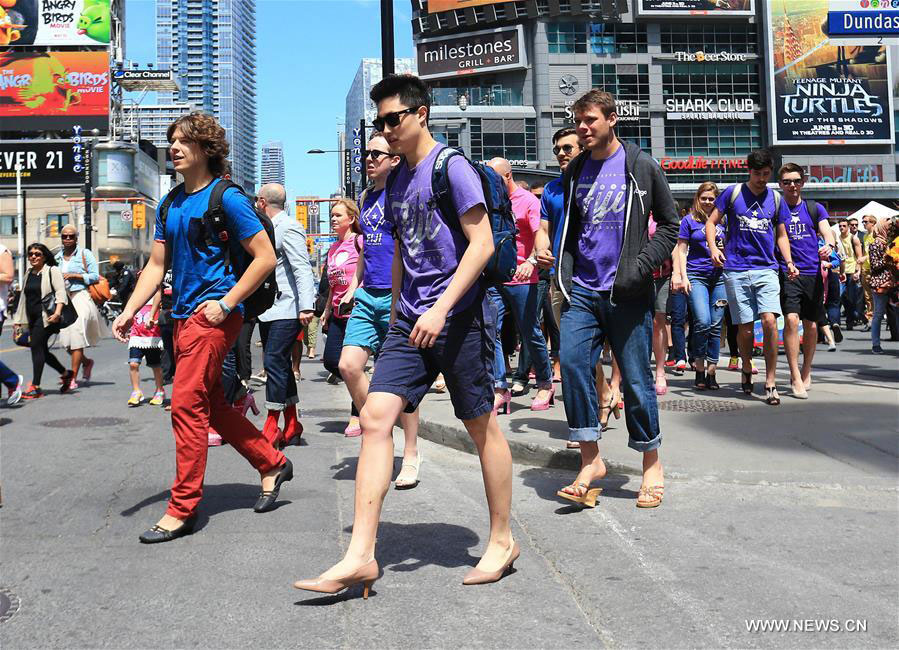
(496, 468)
(134, 372)
(769, 327)
(744, 345)
(296, 356)
(352, 369)
(616, 377)
(410, 435)
(373, 472)
(809, 345)
(157, 377)
(592, 467)
(791, 347)
(659, 348)
(652, 469)
(77, 359)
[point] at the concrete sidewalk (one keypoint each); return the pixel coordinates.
(845, 432)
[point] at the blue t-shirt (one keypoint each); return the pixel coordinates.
(699, 259)
(803, 234)
(378, 249)
(751, 224)
(198, 270)
(601, 195)
(552, 209)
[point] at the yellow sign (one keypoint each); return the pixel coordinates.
(303, 215)
(138, 216)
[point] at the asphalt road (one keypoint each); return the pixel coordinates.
(720, 555)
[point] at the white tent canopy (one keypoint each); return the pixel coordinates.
(876, 209)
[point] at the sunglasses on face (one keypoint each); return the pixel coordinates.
(391, 119)
(35, 254)
(68, 236)
(374, 154)
(791, 181)
(567, 148)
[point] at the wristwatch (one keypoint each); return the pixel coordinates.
(224, 306)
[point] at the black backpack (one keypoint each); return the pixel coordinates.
(502, 264)
(217, 234)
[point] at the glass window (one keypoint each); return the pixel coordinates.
(567, 38)
(9, 224)
(618, 38)
(740, 38)
(115, 226)
(55, 222)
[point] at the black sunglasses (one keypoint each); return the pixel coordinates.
(374, 154)
(567, 148)
(391, 119)
(791, 181)
(68, 236)
(35, 254)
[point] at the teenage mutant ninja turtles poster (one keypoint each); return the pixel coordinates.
(825, 91)
(54, 22)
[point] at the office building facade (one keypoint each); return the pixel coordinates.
(151, 122)
(205, 42)
(272, 163)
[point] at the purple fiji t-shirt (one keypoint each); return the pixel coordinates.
(803, 233)
(601, 195)
(699, 259)
(378, 250)
(430, 247)
(751, 222)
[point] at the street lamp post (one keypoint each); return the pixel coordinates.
(387, 37)
(88, 189)
(349, 187)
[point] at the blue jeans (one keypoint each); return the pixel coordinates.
(333, 348)
(832, 305)
(278, 337)
(7, 377)
(708, 300)
(524, 306)
(881, 304)
(586, 322)
(678, 304)
(524, 359)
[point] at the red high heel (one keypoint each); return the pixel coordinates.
(544, 404)
(505, 402)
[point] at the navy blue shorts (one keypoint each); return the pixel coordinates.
(463, 352)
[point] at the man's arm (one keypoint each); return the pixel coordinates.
(293, 245)
(783, 244)
(543, 246)
(717, 254)
(679, 281)
(396, 273)
(147, 283)
(477, 230)
(830, 243)
(664, 211)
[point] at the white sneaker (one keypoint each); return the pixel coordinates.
(259, 377)
(15, 396)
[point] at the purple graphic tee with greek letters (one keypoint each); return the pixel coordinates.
(430, 247)
(601, 195)
(803, 234)
(378, 250)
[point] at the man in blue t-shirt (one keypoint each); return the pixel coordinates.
(207, 296)
(372, 291)
(752, 227)
(803, 295)
(604, 270)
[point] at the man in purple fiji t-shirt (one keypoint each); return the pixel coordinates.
(441, 325)
(605, 274)
(750, 267)
(372, 290)
(802, 296)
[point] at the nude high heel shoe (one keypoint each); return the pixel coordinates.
(478, 577)
(366, 574)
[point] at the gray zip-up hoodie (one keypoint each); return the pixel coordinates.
(647, 192)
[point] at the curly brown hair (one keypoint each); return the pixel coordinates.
(209, 134)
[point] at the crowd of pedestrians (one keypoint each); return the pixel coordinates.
(604, 269)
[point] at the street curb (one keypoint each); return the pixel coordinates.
(524, 453)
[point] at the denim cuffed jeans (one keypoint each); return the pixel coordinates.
(278, 337)
(523, 300)
(708, 300)
(586, 322)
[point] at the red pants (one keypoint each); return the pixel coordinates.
(198, 401)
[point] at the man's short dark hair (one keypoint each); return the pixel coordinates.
(412, 91)
(843, 219)
(536, 185)
(759, 159)
(564, 132)
(791, 168)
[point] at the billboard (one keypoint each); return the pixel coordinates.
(821, 91)
(41, 91)
(723, 8)
(471, 53)
(45, 163)
(56, 22)
(435, 6)
(854, 18)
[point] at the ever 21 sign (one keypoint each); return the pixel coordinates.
(824, 92)
(44, 164)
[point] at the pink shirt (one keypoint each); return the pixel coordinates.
(342, 259)
(526, 208)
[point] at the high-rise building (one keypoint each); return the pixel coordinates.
(151, 122)
(358, 105)
(272, 162)
(208, 44)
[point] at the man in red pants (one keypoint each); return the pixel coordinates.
(207, 296)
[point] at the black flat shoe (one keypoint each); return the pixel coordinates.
(837, 334)
(157, 535)
(267, 499)
(711, 383)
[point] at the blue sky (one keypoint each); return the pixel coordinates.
(307, 53)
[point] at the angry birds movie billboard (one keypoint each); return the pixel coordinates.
(54, 22)
(42, 91)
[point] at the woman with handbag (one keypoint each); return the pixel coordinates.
(40, 315)
(82, 276)
(881, 280)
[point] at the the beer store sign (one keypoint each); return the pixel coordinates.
(475, 52)
(710, 57)
(710, 108)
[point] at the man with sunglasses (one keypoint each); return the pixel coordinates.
(802, 296)
(372, 290)
(442, 324)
